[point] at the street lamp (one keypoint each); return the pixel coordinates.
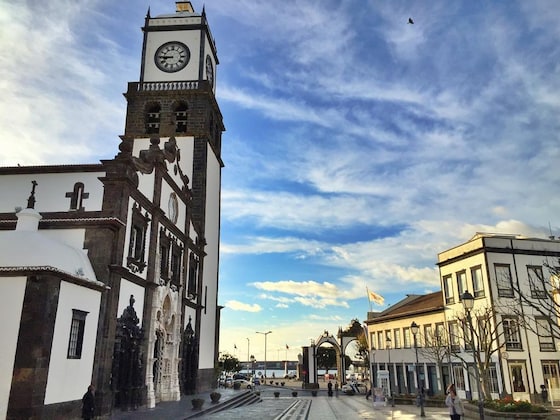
(252, 358)
(468, 303)
(265, 334)
(388, 345)
(415, 328)
(247, 355)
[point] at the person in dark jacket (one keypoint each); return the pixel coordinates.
(88, 403)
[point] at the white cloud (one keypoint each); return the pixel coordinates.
(235, 305)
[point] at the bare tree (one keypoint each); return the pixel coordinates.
(483, 341)
(536, 301)
(436, 349)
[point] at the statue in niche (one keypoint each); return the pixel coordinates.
(127, 376)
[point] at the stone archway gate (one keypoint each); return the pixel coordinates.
(340, 343)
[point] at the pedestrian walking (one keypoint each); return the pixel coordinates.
(454, 403)
(88, 403)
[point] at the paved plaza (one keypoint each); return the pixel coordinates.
(286, 406)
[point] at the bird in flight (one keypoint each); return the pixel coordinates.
(410, 21)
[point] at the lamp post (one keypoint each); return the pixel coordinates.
(468, 303)
(252, 358)
(247, 356)
(419, 389)
(265, 334)
(388, 345)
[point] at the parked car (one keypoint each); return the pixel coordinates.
(242, 384)
(241, 376)
(354, 388)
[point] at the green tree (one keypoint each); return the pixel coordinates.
(326, 358)
(229, 363)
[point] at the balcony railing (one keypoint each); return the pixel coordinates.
(163, 86)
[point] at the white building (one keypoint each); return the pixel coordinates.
(147, 226)
(494, 269)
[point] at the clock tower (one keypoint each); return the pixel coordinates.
(172, 142)
(178, 47)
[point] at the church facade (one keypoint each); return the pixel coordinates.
(142, 306)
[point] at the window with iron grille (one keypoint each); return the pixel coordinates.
(76, 340)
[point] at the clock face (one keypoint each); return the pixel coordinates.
(209, 70)
(172, 56)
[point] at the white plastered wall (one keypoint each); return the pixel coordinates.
(51, 190)
(68, 379)
(12, 291)
(210, 276)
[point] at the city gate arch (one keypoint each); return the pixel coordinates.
(339, 343)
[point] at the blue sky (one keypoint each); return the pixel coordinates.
(357, 146)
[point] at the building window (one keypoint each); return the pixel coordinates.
(397, 334)
(406, 334)
(461, 283)
(550, 373)
(372, 341)
(454, 337)
(503, 280)
(448, 290)
(544, 332)
(192, 284)
(176, 257)
(428, 335)
(389, 339)
(440, 339)
(137, 240)
(164, 253)
(478, 284)
(380, 340)
(152, 119)
(181, 118)
(492, 379)
(536, 281)
(459, 376)
(77, 328)
(511, 334)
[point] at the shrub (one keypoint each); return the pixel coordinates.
(509, 405)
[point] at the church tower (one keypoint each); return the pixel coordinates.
(172, 147)
(131, 305)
